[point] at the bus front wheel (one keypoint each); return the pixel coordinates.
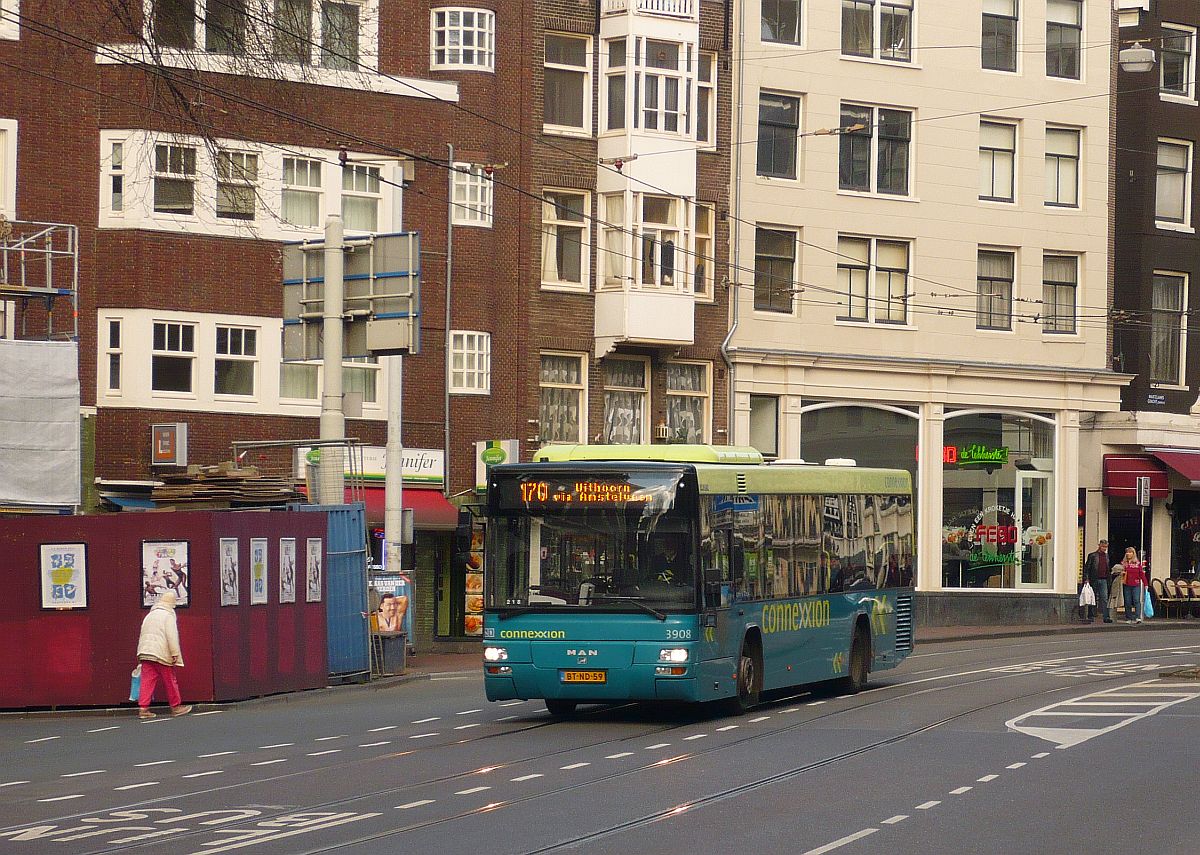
(559, 708)
(749, 682)
(860, 664)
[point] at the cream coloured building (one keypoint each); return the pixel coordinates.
(920, 259)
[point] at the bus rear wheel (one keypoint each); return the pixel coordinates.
(860, 664)
(559, 708)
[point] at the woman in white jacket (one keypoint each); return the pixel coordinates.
(159, 655)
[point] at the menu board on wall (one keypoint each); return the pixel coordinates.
(473, 586)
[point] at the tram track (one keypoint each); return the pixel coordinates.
(983, 676)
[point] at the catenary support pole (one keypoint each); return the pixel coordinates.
(333, 418)
(393, 479)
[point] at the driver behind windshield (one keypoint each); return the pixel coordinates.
(668, 561)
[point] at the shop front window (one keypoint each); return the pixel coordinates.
(997, 502)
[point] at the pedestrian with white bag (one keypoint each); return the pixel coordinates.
(159, 655)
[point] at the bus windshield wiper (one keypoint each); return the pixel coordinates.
(637, 601)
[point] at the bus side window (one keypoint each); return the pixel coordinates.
(737, 568)
(715, 561)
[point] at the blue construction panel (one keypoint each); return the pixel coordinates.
(345, 587)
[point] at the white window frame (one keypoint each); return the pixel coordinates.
(260, 23)
(585, 71)
(472, 203)
(308, 366)
(581, 388)
(872, 297)
(1180, 380)
(800, 28)
(8, 168)
(551, 223)
(372, 175)
(613, 73)
(1015, 17)
(242, 172)
(228, 355)
(644, 391)
(1047, 318)
(705, 395)
(878, 52)
(612, 253)
(177, 353)
(470, 362)
(306, 190)
(988, 154)
(269, 223)
(168, 174)
(706, 90)
(981, 298)
(684, 76)
(7, 321)
(111, 351)
(1188, 176)
(1055, 161)
(484, 27)
(792, 173)
(114, 163)
(366, 367)
(793, 301)
(10, 25)
(1188, 97)
(1079, 51)
(658, 234)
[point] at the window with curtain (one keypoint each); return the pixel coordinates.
(997, 161)
(764, 424)
(895, 30)
(1062, 167)
(568, 90)
(998, 50)
(614, 77)
(225, 26)
(854, 270)
(781, 21)
(1064, 31)
(774, 269)
(891, 282)
(1173, 185)
(237, 176)
(687, 401)
(705, 263)
(995, 289)
(873, 279)
(360, 197)
(706, 99)
(173, 24)
(560, 407)
(339, 35)
(564, 236)
(360, 374)
(858, 27)
(614, 253)
(626, 400)
(237, 355)
(778, 134)
(301, 201)
(291, 35)
(1167, 328)
(298, 380)
(1060, 285)
(174, 179)
(1177, 63)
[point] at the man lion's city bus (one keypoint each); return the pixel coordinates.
(691, 573)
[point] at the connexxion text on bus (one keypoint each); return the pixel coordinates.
(691, 573)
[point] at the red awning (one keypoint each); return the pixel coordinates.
(1186, 463)
(430, 509)
(1121, 472)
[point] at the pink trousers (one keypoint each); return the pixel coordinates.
(152, 672)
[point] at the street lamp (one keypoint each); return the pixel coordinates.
(1136, 59)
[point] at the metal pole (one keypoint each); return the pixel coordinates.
(449, 277)
(393, 482)
(333, 418)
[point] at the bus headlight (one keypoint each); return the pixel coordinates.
(673, 654)
(495, 654)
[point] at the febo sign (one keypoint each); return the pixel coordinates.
(999, 535)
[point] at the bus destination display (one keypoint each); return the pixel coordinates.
(590, 493)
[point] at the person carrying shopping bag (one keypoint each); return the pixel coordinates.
(159, 655)
(1135, 583)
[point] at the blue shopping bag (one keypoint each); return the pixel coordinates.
(1147, 607)
(135, 684)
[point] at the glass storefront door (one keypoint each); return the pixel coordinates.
(1035, 516)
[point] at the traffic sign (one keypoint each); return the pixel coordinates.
(1143, 491)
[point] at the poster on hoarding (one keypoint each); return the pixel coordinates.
(64, 576)
(229, 571)
(312, 580)
(287, 570)
(258, 571)
(165, 568)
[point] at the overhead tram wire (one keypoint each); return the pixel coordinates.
(74, 40)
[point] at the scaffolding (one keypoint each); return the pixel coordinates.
(39, 264)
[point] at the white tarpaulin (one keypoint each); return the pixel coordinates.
(39, 423)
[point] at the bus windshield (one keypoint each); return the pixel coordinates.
(606, 542)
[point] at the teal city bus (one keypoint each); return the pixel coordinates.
(691, 573)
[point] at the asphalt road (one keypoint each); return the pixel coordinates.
(1026, 745)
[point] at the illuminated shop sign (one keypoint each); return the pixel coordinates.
(976, 454)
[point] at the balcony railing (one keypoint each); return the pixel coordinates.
(669, 8)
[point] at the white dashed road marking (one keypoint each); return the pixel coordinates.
(987, 778)
(892, 820)
(137, 786)
(468, 712)
(415, 804)
(928, 805)
(102, 729)
(62, 798)
(727, 727)
(208, 712)
(471, 791)
(426, 720)
(422, 735)
(81, 774)
(1014, 766)
(12, 784)
(656, 745)
(512, 704)
(694, 736)
(528, 777)
(375, 744)
(467, 726)
(837, 844)
(619, 756)
(154, 763)
(277, 745)
(760, 718)
(215, 754)
(1040, 755)
(385, 727)
(269, 762)
(323, 753)
(43, 739)
(575, 766)
(327, 738)
(961, 790)
(205, 774)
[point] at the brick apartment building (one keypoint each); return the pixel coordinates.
(1156, 263)
(187, 140)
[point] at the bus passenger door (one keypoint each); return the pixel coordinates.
(717, 650)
